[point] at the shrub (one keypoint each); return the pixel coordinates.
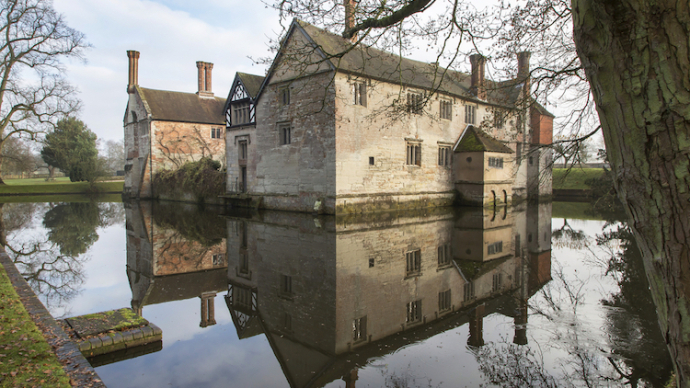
(201, 178)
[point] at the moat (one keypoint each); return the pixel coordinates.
(539, 295)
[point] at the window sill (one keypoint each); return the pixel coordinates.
(412, 275)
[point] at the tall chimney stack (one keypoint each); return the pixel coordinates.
(523, 70)
(201, 76)
(204, 79)
(477, 87)
(133, 70)
(209, 68)
(350, 17)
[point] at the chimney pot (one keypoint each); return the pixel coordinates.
(133, 81)
(477, 87)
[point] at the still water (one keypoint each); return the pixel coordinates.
(535, 296)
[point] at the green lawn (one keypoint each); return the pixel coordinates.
(36, 181)
(40, 186)
(26, 359)
(574, 178)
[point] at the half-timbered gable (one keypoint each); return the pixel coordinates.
(240, 107)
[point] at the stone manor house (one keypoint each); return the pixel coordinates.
(336, 127)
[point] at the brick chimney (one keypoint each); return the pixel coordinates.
(350, 17)
(523, 70)
(477, 87)
(204, 79)
(209, 68)
(133, 70)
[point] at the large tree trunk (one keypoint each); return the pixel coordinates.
(636, 55)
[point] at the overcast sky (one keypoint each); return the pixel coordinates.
(171, 36)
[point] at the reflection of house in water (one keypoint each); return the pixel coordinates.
(331, 294)
(175, 255)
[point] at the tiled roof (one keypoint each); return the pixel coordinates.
(252, 83)
(183, 107)
(382, 65)
(474, 139)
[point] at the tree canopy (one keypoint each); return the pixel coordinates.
(71, 147)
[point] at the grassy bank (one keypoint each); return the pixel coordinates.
(59, 186)
(574, 178)
(26, 359)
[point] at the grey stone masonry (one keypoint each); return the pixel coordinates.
(111, 342)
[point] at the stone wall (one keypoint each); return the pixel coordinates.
(295, 176)
(137, 149)
(233, 136)
(174, 143)
(378, 133)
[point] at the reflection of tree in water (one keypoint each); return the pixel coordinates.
(510, 365)
(72, 226)
(634, 330)
(52, 262)
(567, 237)
(407, 379)
(636, 354)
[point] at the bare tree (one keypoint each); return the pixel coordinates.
(114, 155)
(34, 39)
(17, 157)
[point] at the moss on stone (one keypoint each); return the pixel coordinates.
(103, 322)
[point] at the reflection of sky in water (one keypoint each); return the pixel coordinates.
(193, 356)
(197, 357)
(105, 284)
